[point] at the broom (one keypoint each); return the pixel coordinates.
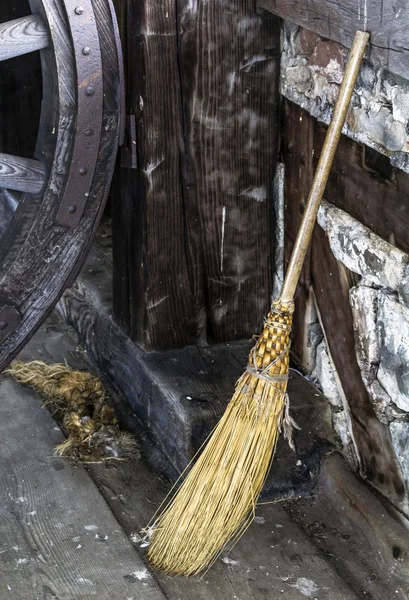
(216, 502)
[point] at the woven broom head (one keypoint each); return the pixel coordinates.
(216, 502)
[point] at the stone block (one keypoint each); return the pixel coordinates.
(361, 250)
(393, 332)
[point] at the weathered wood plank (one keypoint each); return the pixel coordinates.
(229, 61)
(52, 515)
(203, 84)
(23, 36)
(21, 174)
(299, 171)
(272, 560)
(387, 23)
(376, 198)
(360, 538)
(150, 234)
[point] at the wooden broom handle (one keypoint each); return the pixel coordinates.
(324, 167)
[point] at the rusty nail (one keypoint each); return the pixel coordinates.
(86, 50)
(83, 171)
(88, 131)
(90, 91)
(79, 10)
(72, 209)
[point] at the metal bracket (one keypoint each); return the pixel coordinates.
(10, 319)
(129, 158)
(87, 52)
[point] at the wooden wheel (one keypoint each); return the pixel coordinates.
(61, 191)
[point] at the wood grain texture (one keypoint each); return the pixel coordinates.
(360, 538)
(299, 171)
(387, 23)
(21, 174)
(374, 197)
(52, 514)
(22, 36)
(273, 559)
(149, 222)
(38, 257)
(229, 60)
(193, 225)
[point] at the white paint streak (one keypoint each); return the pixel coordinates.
(223, 234)
(260, 520)
(256, 59)
(365, 14)
(258, 193)
(150, 169)
(230, 561)
(85, 581)
(305, 586)
(232, 80)
(91, 527)
(150, 306)
(141, 575)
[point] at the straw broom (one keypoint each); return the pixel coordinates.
(216, 502)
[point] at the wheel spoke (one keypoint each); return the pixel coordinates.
(22, 36)
(22, 174)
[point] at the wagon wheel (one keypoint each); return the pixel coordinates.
(65, 185)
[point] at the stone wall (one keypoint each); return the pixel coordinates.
(380, 308)
(311, 71)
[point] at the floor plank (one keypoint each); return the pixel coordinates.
(53, 521)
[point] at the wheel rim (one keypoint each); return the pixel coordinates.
(66, 184)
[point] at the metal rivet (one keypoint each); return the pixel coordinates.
(88, 131)
(83, 171)
(86, 50)
(90, 91)
(79, 10)
(72, 209)
(3, 325)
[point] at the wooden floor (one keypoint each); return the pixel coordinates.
(67, 532)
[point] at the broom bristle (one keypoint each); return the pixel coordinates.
(216, 502)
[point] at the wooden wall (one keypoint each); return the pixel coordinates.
(193, 224)
(375, 194)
